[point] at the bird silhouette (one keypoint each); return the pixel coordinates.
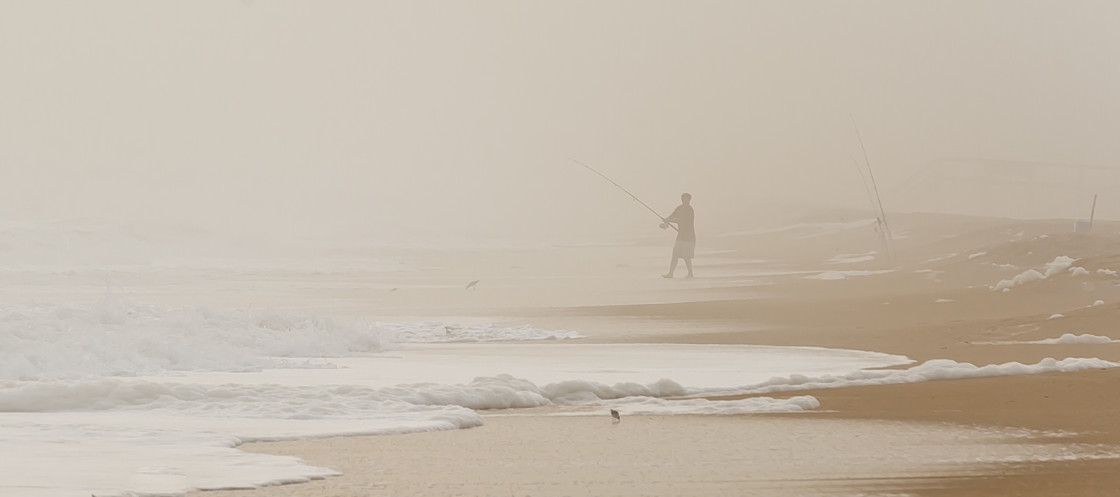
(471, 285)
(615, 415)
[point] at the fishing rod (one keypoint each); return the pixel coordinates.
(885, 236)
(871, 174)
(635, 197)
(866, 187)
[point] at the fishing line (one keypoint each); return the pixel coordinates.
(635, 197)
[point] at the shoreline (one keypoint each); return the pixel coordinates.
(954, 314)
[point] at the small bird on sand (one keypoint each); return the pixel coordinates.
(471, 285)
(615, 415)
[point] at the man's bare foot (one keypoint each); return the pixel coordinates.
(667, 276)
(689, 276)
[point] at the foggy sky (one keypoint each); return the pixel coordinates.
(431, 119)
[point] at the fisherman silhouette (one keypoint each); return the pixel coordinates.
(685, 246)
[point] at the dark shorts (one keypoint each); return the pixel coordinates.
(684, 249)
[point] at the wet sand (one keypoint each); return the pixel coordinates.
(789, 455)
(937, 303)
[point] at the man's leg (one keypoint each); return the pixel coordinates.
(688, 264)
(672, 268)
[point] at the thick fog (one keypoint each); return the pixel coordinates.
(457, 120)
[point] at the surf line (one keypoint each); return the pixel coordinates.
(664, 222)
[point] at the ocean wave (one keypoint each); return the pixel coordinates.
(276, 401)
(119, 337)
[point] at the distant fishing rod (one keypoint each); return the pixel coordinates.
(635, 197)
(874, 186)
(884, 230)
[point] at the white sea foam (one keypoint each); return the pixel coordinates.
(655, 406)
(1027, 276)
(943, 257)
(1059, 264)
(931, 274)
(1065, 339)
(937, 369)
(1070, 338)
(853, 258)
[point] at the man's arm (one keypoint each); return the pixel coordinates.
(675, 217)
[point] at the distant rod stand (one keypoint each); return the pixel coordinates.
(635, 197)
(885, 236)
(1092, 212)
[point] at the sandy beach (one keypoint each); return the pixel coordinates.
(398, 248)
(939, 301)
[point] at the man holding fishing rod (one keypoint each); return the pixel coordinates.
(680, 220)
(685, 246)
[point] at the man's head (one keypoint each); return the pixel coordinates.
(686, 198)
